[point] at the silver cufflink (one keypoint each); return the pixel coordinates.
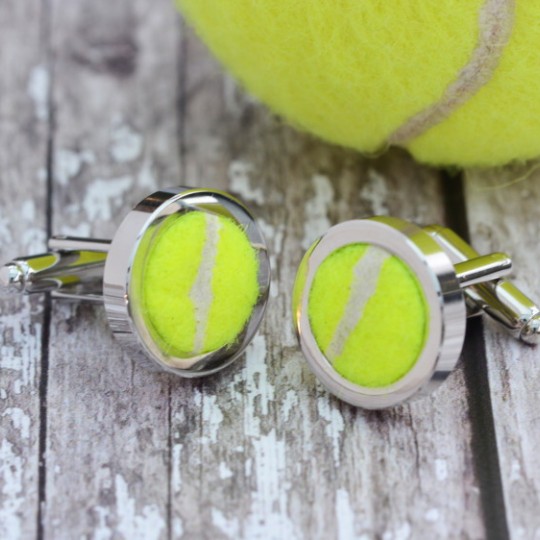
(184, 281)
(380, 307)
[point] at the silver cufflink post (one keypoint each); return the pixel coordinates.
(498, 298)
(380, 307)
(116, 273)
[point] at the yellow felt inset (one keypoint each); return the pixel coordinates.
(354, 71)
(235, 286)
(389, 336)
(174, 309)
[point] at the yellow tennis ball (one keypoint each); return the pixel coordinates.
(368, 314)
(200, 283)
(454, 81)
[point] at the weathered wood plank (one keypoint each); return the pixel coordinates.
(261, 451)
(23, 157)
(502, 210)
(114, 93)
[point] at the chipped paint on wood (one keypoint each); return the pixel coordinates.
(503, 216)
(260, 450)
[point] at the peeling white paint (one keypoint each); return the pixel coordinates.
(177, 527)
(82, 229)
(102, 530)
(344, 515)
(146, 178)
(28, 210)
(41, 175)
(274, 238)
(270, 498)
(266, 463)
(212, 418)
(259, 392)
(402, 533)
(240, 181)
(38, 89)
(176, 466)
(441, 469)
(317, 222)
(334, 423)
(289, 403)
(432, 515)
(12, 499)
(515, 471)
(375, 191)
(22, 360)
(146, 525)
(20, 421)
(68, 164)
(103, 197)
(224, 471)
(17, 387)
(34, 239)
(5, 231)
(126, 143)
(229, 527)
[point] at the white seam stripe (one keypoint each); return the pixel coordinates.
(201, 292)
(496, 21)
(366, 274)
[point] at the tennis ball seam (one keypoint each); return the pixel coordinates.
(368, 314)
(366, 274)
(353, 72)
(495, 24)
(201, 293)
(200, 283)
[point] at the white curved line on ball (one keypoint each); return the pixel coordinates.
(496, 21)
(201, 291)
(366, 274)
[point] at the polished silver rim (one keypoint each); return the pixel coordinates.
(119, 289)
(435, 273)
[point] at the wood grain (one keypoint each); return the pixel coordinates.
(259, 450)
(503, 215)
(271, 453)
(23, 162)
(115, 141)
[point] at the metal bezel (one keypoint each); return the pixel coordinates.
(120, 298)
(447, 311)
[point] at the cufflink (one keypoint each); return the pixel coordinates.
(380, 307)
(184, 281)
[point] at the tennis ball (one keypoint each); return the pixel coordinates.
(368, 314)
(200, 283)
(454, 81)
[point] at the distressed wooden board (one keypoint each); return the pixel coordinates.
(115, 141)
(503, 216)
(23, 157)
(262, 451)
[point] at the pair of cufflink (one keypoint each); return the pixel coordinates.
(379, 304)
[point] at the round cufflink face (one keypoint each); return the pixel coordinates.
(379, 312)
(186, 279)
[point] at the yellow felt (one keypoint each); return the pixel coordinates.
(390, 335)
(235, 286)
(170, 272)
(300, 283)
(502, 121)
(330, 292)
(353, 71)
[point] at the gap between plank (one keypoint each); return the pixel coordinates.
(484, 440)
(46, 7)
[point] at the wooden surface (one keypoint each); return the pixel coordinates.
(102, 102)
